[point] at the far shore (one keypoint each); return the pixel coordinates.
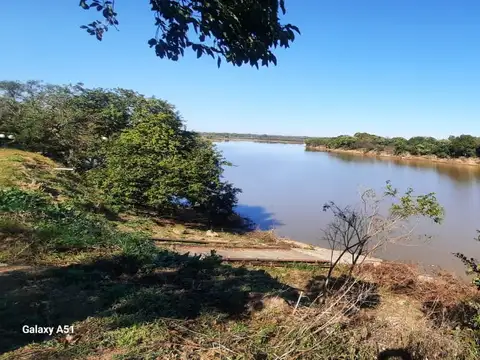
(383, 154)
(257, 141)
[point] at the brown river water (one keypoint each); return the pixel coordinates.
(284, 187)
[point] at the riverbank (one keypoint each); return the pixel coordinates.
(387, 155)
(116, 294)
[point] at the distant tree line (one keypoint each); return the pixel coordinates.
(254, 137)
(453, 147)
(134, 149)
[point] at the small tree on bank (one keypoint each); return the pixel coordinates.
(358, 232)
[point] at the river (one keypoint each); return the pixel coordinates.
(284, 187)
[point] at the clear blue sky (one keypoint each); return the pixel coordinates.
(394, 68)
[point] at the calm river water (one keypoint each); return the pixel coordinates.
(284, 187)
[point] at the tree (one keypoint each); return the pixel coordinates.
(66, 123)
(159, 165)
(40, 116)
(241, 32)
(455, 146)
(463, 145)
(69, 123)
(358, 232)
(442, 149)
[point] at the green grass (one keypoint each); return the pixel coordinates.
(33, 225)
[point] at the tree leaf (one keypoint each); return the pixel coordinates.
(152, 42)
(273, 59)
(84, 5)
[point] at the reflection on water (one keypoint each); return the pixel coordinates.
(285, 186)
(457, 172)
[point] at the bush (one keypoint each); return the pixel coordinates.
(400, 149)
(158, 165)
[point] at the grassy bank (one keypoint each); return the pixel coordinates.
(72, 261)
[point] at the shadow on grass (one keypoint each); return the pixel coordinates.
(394, 354)
(463, 314)
(173, 286)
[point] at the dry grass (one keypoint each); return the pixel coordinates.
(408, 280)
(344, 326)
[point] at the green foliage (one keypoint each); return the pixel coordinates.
(135, 149)
(409, 205)
(455, 146)
(463, 145)
(69, 124)
(62, 227)
(159, 165)
(241, 32)
(473, 268)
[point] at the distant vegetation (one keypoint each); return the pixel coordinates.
(453, 147)
(255, 137)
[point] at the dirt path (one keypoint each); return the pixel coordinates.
(317, 255)
(250, 254)
(4, 268)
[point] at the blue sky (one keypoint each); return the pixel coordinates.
(394, 68)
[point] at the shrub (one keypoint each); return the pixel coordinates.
(159, 165)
